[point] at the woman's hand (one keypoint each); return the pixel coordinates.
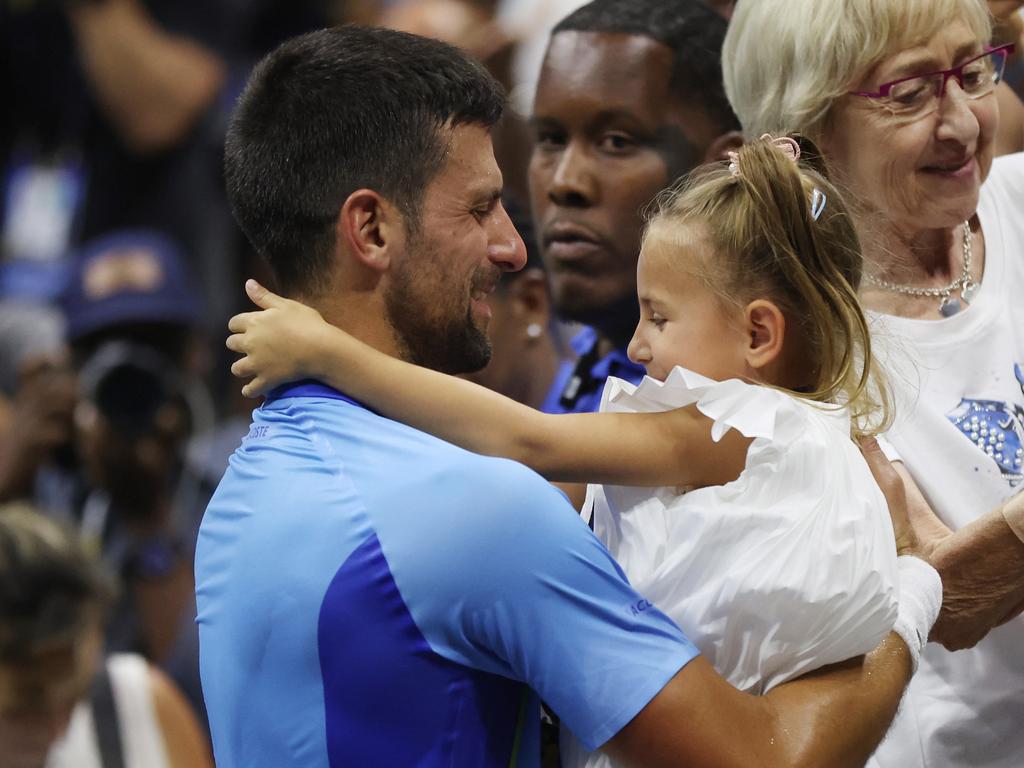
(281, 343)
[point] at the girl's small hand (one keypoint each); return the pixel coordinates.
(277, 344)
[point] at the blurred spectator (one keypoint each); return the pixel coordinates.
(37, 395)
(59, 705)
(1009, 28)
(106, 108)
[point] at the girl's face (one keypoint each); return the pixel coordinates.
(682, 320)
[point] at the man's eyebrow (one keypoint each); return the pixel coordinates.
(608, 115)
(614, 114)
(485, 196)
(534, 120)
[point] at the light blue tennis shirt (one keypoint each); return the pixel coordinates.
(370, 595)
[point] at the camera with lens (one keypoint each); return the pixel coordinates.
(129, 383)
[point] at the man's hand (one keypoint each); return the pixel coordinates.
(889, 480)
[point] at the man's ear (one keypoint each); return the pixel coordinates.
(370, 228)
(721, 146)
(766, 334)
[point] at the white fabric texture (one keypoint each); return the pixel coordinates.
(788, 568)
(966, 708)
(141, 737)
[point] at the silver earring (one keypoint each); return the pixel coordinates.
(533, 331)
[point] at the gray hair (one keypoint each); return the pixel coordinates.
(785, 62)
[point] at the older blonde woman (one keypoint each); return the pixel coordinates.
(900, 95)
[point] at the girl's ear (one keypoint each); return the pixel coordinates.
(766, 332)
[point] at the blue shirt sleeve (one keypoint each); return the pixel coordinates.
(522, 588)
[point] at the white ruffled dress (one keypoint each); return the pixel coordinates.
(788, 568)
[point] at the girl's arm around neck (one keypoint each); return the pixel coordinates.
(289, 341)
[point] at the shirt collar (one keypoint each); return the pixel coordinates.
(311, 388)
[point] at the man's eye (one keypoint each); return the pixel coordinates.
(617, 142)
(548, 139)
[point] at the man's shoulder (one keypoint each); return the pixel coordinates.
(418, 464)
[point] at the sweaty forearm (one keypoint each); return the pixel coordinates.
(833, 717)
(838, 716)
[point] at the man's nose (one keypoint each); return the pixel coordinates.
(506, 249)
(574, 182)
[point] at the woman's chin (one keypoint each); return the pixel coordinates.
(942, 213)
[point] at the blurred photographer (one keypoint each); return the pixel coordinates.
(132, 313)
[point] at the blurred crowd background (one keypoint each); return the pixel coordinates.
(119, 267)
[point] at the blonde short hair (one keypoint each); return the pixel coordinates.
(785, 62)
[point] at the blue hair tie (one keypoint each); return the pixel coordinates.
(817, 203)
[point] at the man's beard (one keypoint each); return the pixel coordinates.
(451, 344)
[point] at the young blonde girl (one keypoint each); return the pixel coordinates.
(734, 497)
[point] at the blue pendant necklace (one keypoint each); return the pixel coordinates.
(949, 304)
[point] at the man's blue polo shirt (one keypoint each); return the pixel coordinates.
(372, 596)
(579, 383)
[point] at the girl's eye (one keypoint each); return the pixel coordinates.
(658, 321)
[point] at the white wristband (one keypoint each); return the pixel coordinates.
(920, 601)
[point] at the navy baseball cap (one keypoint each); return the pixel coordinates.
(129, 276)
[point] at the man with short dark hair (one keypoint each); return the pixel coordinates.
(372, 596)
(630, 98)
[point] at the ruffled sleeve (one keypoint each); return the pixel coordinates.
(754, 411)
(788, 568)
